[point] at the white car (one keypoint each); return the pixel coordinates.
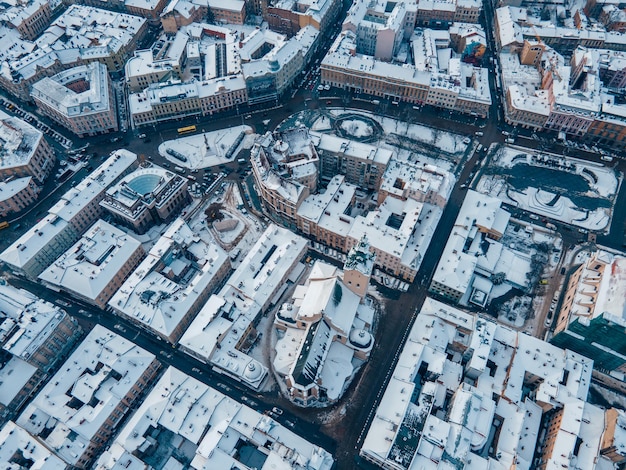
(320, 87)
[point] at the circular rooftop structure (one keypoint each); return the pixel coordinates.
(253, 371)
(145, 183)
(361, 338)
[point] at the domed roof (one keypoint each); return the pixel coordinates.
(144, 184)
(360, 338)
(253, 371)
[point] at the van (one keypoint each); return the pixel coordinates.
(534, 217)
(509, 140)
(606, 158)
(375, 102)
(179, 169)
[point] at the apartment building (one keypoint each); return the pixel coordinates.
(271, 63)
(394, 233)
(80, 99)
(228, 70)
(149, 9)
(473, 252)
(590, 320)
(54, 51)
(35, 331)
(576, 97)
(97, 265)
(187, 267)
(285, 170)
(26, 159)
(164, 61)
(67, 220)
(362, 164)
(79, 409)
(380, 27)
(326, 217)
(17, 195)
(226, 326)
(36, 335)
(23, 151)
(464, 88)
(19, 448)
(215, 433)
(533, 392)
(176, 100)
(290, 16)
(178, 14)
(423, 182)
(30, 19)
(18, 381)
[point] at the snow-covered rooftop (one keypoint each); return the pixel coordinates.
(480, 214)
(261, 278)
(29, 321)
(79, 91)
(96, 260)
(214, 335)
(501, 361)
(14, 375)
(207, 428)
(390, 228)
(18, 447)
(81, 32)
(171, 282)
(69, 214)
(80, 398)
(419, 181)
(18, 141)
(359, 150)
(601, 289)
(328, 208)
(268, 264)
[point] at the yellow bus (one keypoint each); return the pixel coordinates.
(186, 130)
(4, 225)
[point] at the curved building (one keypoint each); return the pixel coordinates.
(146, 197)
(79, 99)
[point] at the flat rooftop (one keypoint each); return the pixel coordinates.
(93, 262)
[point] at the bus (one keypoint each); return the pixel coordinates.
(186, 130)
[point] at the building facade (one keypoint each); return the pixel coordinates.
(148, 196)
(80, 99)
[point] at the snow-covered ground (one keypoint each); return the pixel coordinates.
(446, 141)
(207, 149)
(603, 184)
(357, 128)
(535, 200)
